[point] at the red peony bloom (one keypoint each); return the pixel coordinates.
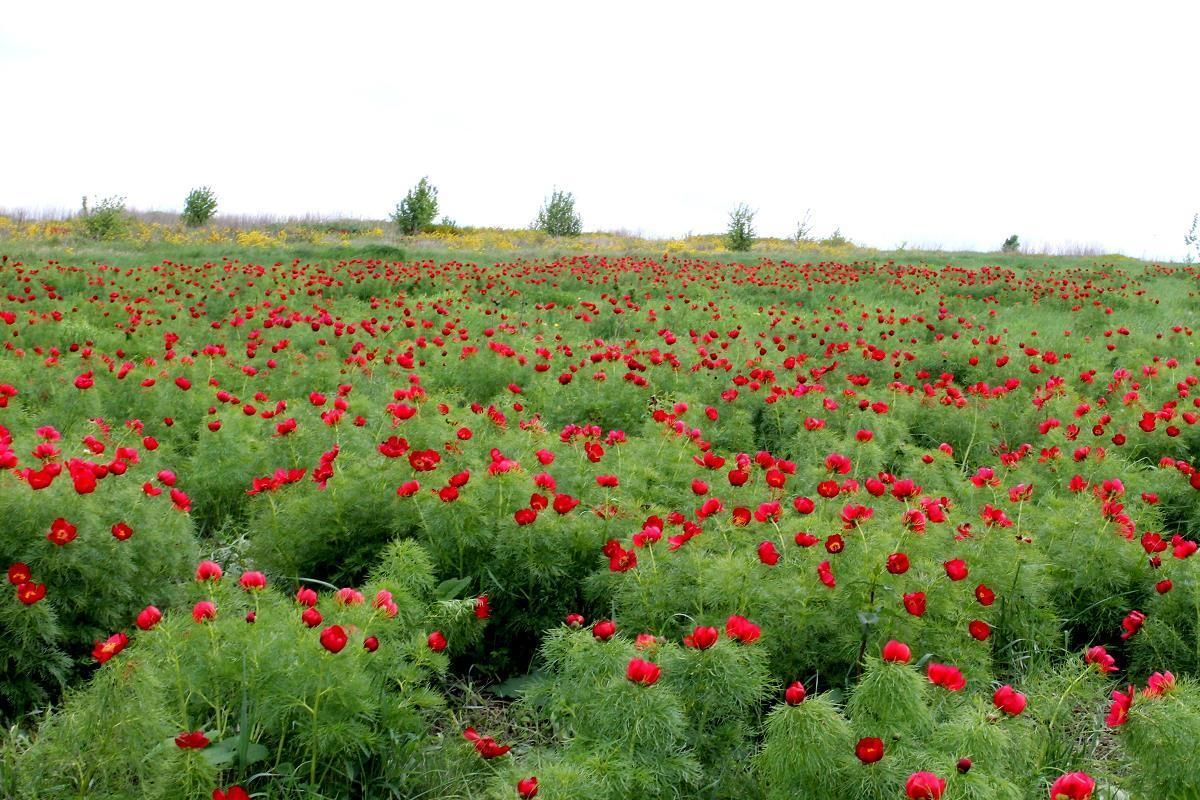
(19, 573)
(1099, 656)
(252, 581)
(148, 617)
(701, 638)
(914, 603)
(984, 595)
(946, 676)
(768, 554)
(194, 740)
(121, 531)
(924, 786)
(574, 621)
(742, 630)
(604, 629)
(897, 652)
(371, 644)
(114, 644)
(208, 571)
(979, 629)
(897, 563)
(794, 694)
(1118, 712)
(956, 569)
(527, 788)
(1158, 684)
(1132, 623)
(306, 596)
(334, 638)
(1009, 700)
(645, 673)
(486, 746)
(312, 618)
(61, 532)
(436, 641)
(1073, 786)
(869, 749)
(29, 592)
(482, 608)
(204, 610)
(232, 793)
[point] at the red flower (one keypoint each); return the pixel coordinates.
(742, 630)
(563, 503)
(204, 610)
(768, 554)
(194, 740)
(61, 532)
(208, 571)
(371, 644)
(334, 638)
(30, 592)
(1099, 656)
(914, 603)
(306, 596)
(956, 569)
(232, 793)
(1009, 700)
(979, 629)
(897, 563)
(794, 694)
(121, 531)
(825, 574)
(701, 638)
(103, 651)
(1073, 786)
(946, 676)
(645, 673)
(527, 788)
(1132, 623)
(524, 516)
(924, 786)
(19, 573)
(424, 460)
(835, 543)
(574, 621)
(1118, 712)
(486, 746)
(869, 749)
(312, 618)
(148, 617)
(604, 630)
(984, 595)
(897, 652)
(482, 608)
(436, 641)
(1159, 684)
(252, 581)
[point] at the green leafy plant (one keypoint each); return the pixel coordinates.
(199, 207)
(1011, 245)
(107, 220)
(558, 217)
(740, 235)
(416, 212)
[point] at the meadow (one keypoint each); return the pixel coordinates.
(335, 520)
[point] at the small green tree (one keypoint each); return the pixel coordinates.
(557, 216)
(740, 235)
(199, 207)
(418, 209)
(107, 220)
(1011, 245)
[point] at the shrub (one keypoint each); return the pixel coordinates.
(107, 221)
(416, 212)
(199, 207)
(1011, 245)
(740, 235)
(558, 217)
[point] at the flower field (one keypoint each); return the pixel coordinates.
(599, 527)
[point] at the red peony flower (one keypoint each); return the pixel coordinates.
(311, 617)
(1009, 700)
(768, 554)
(701, 638)
(334, 638)
(604, 629)
(436, 641)
(194, 740)
(914, 603)
(486, 746)
(19, 573)
(208, 571)
(527, 788)
(61, 532)
(794, 694)
(869, 749)
(896, 652)
(232, 793)
(1099, 656)
(984, 595)
(103, 651)
(1073, 786)
(742, 630)
(979, 629)
(897, 563)
(29, 592)
(642, 672)
(956, 569)
(148, 617)
(252, 581)
(204, 610)
(1118, 712)
(121, 531)
(924, 786)
(1132, 623)
(946, 676)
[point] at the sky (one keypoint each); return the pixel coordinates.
(936, 124)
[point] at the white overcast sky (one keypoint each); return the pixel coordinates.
(951, 124)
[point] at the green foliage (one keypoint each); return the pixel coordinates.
(1158, 738)
(1011, 245)
(278, 708)
(739, 236)
(108, 220)
(199, 207)
(416, 212)
(557, 216)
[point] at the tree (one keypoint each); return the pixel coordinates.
(418, 209)
(1192, 240)
(107, 220)
(804, 228)
(557, 216)
(740, 235)
(1011, 245)
(199, 207)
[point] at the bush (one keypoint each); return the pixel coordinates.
(740, 235)
(416, 212)
(1011, 245)
(199, 207)
(107, 221)
(558, 217)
